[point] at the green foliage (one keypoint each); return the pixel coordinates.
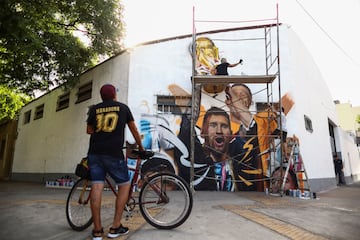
(11, 102)
(358, 121)
(38, 46)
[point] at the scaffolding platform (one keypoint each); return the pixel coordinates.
(226, 79)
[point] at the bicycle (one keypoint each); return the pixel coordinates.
(165, 199)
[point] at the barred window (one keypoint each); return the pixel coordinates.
(27, 117)
(63, 102)
(174, 104)
(308, 124)
(39, 112)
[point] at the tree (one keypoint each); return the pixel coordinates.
(358, 121)
(38, 46)
(11, 102)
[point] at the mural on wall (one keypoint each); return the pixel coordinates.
(207, 56)
(232, 147)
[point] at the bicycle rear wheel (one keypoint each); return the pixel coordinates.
(165, 201)
(78, 212)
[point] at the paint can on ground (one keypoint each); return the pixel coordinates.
(314, 195)
(306, 194)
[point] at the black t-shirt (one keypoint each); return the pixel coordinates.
(221, 69)
(338, 164)
(109, 119)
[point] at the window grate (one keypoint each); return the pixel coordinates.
(84, 92)
(27, 117)
(308, 124)
(63, 102)
(39, 112)
(173, 104)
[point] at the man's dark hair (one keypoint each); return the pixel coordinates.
(228, 96)
(213, 111)
(204, 130)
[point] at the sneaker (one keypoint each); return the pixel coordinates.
(116, 232)
(97, 235)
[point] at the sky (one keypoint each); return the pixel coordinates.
(328, 28)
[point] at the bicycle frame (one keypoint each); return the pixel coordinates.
(134, 180)
(136, 171)
(156, 190)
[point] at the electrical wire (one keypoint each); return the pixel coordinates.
(327, 34)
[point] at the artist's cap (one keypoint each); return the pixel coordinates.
(107, 92)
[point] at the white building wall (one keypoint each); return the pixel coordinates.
(58, 140)
(46, 145)
(350, 156)
(55, 143)
(154, 67)
(312, 98)
(299, 77)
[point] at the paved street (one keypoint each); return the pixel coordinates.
(33, 211)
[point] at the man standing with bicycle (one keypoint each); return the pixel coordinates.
(106, 124)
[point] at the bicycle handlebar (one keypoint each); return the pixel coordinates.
(143, 154)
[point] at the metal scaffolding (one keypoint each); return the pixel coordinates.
(272, 74)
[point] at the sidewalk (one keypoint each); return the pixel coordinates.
(32, 211)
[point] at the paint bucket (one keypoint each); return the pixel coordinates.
(306, 194)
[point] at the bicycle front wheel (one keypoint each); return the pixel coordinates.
(78, 212)
(165, 201)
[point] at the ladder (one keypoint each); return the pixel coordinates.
(297, 165)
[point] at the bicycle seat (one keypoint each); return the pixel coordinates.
(143, 154)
